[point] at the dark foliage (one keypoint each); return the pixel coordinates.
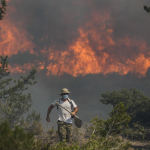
(117, 122)
(2, 9)
(15, 139)
(137, 104)
(147, 9)
(14, 104)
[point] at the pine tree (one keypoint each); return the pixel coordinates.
(147, 9)
(14, 104)
(3, 83)
(137, 104)
(2, 9)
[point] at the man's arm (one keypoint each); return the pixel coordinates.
(48, 112)
(75, 111)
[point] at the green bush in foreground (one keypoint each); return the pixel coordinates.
(95, 143)
(15, 139)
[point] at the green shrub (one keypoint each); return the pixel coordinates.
(32, 123)
(15, 139)
(137, 132)
(136, 102)
(34, 128)
(95, 143)
(117, 122)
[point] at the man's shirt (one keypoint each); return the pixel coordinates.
(64, 115)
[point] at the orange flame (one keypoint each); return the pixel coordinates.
(28, 66)
(94, 51)
(13, 40)
(83, 57)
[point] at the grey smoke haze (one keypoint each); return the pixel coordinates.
(85, 91)
(57, 22)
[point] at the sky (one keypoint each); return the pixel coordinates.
(87, 46)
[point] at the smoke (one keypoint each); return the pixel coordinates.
(87, 46)
(85, 91)
(78, 37)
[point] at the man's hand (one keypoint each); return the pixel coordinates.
(48, 119)
(73, 113)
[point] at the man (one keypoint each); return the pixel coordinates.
(64, 117)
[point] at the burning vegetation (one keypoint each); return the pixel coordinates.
(93, 48)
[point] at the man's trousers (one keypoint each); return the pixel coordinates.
(64, 131)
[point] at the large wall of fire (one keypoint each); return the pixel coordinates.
(92, 50)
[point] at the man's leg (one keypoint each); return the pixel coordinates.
(69, 131)
(62, 130)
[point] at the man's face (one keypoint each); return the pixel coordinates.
(63, 96)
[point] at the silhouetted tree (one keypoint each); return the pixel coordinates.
(147, 9)
(14, 104)
(137, 104)
(2, 9)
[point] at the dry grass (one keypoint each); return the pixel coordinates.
(82, 135)
(50, 136)
(140, 145)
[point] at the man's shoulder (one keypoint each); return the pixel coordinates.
(54, 102)
(70, 100)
